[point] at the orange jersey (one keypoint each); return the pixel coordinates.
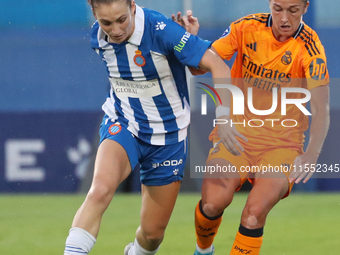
(263, 63)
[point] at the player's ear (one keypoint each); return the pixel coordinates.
(306, 7)
(133, 7)
(93, 12)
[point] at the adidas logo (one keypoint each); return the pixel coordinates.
(252, 46)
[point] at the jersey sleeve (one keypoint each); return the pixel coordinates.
(315, 65)
(227, 45)
(172, 39)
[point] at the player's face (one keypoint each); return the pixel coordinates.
(117, 19)
(287, 16)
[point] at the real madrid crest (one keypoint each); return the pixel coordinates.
(286, 58)
(139, 59)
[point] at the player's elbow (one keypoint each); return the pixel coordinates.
(195, 71)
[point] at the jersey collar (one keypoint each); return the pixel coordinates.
(270, 23)
(298, 31)
(137, 35)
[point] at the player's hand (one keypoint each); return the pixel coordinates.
(228, 136)
(304, 167)
(189, 22)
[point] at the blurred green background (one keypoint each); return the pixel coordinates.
(300, 224)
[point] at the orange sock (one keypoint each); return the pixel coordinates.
(206, 227)
(249, 242)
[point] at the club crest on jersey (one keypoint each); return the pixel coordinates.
(139, 59)
(227, 32)
(115, 129)
(287, 58)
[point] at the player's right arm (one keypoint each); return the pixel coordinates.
(213, 63)
(202, 69)
(224, 48)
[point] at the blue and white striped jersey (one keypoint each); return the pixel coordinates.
(149, 94)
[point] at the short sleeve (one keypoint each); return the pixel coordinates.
(227, 45)
(315, 65)
(171, 38)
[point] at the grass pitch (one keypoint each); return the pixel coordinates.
(302, 224)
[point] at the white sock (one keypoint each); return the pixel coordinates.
(136, 249)
(207, 250)
(79, 241)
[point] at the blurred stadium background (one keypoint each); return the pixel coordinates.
(53, 86)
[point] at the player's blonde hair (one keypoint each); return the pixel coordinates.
(93, 3)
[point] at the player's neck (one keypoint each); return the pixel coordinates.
(280, 37)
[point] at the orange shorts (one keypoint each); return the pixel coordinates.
(271, 161)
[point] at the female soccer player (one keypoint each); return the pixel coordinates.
(146, 117)
(274, 51)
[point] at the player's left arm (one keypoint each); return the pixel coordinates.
(191, 25)
(318, 130)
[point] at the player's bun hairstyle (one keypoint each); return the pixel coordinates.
(95, 2)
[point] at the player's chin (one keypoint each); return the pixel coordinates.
(117, 39)
(286, 33)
